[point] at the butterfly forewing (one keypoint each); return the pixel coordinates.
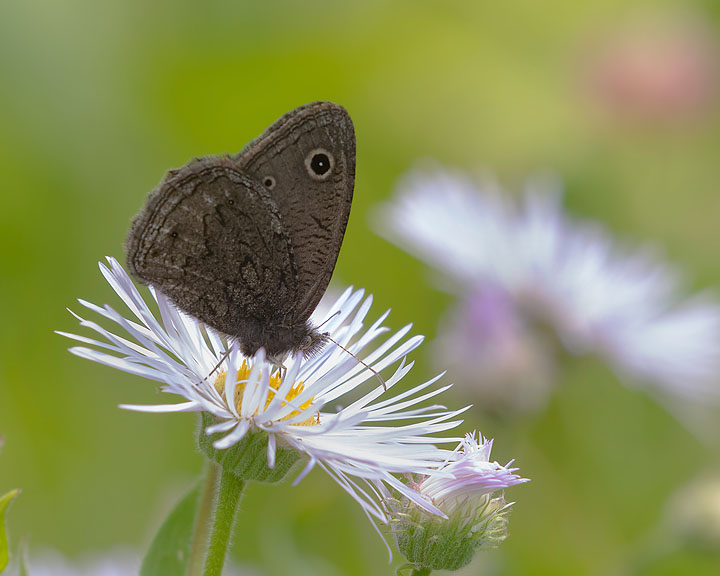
(314, 207)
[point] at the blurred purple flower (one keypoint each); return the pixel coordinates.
(520, 266)
(486, 342)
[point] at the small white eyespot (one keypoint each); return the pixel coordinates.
(269, 182)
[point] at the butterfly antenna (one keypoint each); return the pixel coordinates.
(384, 385)
(328, 320)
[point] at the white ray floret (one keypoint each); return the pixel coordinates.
(362, 446)
(599, 296)
(469, 475)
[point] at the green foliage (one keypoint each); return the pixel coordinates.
(170, 550)
(4, 546)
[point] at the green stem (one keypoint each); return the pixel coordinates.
(228, 498)
(202, 520)
(421, 572)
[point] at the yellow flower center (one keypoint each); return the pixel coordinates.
(242, 375)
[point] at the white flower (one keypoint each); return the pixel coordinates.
(599, 297)
(113, 563)
(468, 477)
(367, 441)
(463, 488)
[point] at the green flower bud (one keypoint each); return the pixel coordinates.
(437, 543)
(461, 490)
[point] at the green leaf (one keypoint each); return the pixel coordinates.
(4, 502)
(169, 552)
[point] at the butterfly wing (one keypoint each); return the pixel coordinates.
(212, 240)
(306, 162)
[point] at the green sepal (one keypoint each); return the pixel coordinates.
(437, 546)
(4, 503)
(435, 543)
(248, 458)
(170, 550)
(411, 570)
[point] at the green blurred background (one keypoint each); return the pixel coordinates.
(98, 99)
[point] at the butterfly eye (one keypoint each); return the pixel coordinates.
(174, 234)
(269, 182)
(319, 164)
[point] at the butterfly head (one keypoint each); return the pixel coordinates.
(313, 342)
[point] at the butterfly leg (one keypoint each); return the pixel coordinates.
(277, 362)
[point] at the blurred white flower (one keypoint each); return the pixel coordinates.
(113, 563)
(368, 441)
(118, 562)
(554, 271)
(693, 513)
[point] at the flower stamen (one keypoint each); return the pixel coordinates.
(275, 381)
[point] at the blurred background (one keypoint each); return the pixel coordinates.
(98, 99)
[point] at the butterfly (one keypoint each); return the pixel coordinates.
(247, 243)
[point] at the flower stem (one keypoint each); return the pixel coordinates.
(202, 520)
(226, 505)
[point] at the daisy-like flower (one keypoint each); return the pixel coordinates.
(552, 270)
(361, 445)
(464, 490)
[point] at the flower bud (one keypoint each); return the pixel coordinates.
(463, 490)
